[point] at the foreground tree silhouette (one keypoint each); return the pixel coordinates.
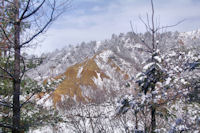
(25, 20)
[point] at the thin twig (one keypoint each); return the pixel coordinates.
(169, 26)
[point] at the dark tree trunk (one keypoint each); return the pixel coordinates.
(153, 111)
(16, 80)
(136, 121)
(153, 119)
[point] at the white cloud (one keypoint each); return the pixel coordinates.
(114, 18)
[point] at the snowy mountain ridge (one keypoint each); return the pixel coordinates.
(58, 60)
(97, 65)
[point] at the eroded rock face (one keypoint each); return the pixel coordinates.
(89, 81)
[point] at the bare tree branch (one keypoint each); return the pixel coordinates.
(27, 100)
(25, 10)
(44, 27)
(143, 42)
(148, 20)
(146, 26)
(33, 12)
(169, 26)
(153, 26)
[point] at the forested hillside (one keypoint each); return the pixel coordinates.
(102, 91)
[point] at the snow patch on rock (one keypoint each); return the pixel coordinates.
(79, 72)
(98, 81)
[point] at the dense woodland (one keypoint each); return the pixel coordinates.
(133, 83)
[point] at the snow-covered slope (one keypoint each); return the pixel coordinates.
(98, 72)
(100, 66)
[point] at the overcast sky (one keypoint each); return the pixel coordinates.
(89, 20)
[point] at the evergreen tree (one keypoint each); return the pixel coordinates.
(18, 18)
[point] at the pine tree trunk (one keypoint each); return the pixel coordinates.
(16, 80)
